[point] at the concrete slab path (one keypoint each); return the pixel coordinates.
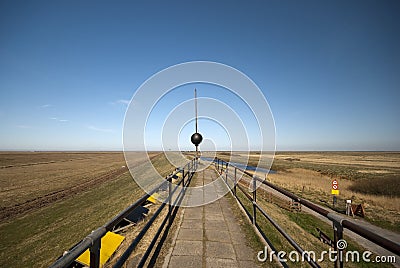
(209, 235)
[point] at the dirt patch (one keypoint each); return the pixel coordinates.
(362, 159)
(374, 171)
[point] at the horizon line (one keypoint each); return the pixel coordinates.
(189, 151)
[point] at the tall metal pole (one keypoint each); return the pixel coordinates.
(195, 111)
(195, 106)
(196, 138)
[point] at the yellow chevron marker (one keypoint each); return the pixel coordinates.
(109, 244)
(153, 198)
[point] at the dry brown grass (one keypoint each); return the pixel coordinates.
(318, 185)
(302, 227)
(366, 159)
(368, 178)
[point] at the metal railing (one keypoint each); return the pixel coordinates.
(93, 240)
(339, 222)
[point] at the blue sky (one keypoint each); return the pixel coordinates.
(329, 69)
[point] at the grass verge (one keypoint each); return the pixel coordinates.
(38, 238)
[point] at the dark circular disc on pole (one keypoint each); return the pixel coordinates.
(196, 138)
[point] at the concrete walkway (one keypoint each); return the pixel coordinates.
(209, 235)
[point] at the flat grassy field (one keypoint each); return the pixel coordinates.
(26, 176)
(51, 200)
(368, 178)
(78, 192)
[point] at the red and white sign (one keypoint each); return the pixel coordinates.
(335, 187)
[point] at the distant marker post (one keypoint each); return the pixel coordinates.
(334, 191)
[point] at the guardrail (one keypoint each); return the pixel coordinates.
(339, 222)
(93, 240)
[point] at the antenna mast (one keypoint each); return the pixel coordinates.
(196, 137)
(195, 108)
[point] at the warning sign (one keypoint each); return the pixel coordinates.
(335, 187)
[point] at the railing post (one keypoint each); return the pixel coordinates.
(226, 174)
(192, 166)
(183, 177)
(235, 182)
(254, 201)
(169, 200)
(95, 254)
(338, 247)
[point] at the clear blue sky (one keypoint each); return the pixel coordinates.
(330, 70)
